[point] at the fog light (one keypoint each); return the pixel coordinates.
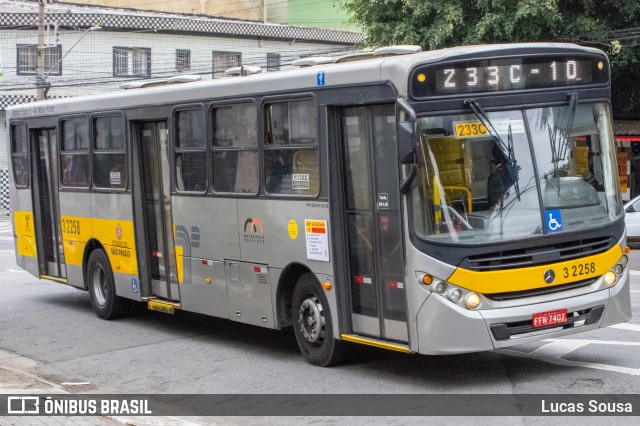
(473, 300)
(441, 287)
(455, 295)
(624, 260)
(610, 278)
(618, 269)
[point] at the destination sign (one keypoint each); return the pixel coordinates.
(507, 74)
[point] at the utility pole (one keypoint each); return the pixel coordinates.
(40, 78)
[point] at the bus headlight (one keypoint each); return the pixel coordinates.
(618, 269)
(455, 295)
(624, 260)
(441, 287)
(473, 300)
(610, 278)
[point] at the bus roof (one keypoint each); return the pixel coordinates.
(394, 69)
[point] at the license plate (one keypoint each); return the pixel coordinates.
(549, 318)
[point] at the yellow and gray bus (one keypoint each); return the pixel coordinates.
(435, 202)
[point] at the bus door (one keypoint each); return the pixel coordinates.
(371, 210)
(158, 250)
(46, 203)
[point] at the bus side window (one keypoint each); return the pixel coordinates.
(190, 151)
(109, 156)
(291, 153)
(235, 149)
(19, 159)
(74, 171)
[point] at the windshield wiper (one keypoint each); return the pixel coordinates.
(506, 149)
(560, 147)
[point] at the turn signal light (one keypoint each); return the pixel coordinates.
(427, 279)
(327, 286)
(627, 250)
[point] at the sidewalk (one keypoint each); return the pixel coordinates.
(18, 375)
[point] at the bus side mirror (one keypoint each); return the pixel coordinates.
(406, 145)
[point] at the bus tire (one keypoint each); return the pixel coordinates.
(102, 288)
(312, 324)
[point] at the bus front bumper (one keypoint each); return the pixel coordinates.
(446, 328)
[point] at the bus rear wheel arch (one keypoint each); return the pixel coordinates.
(312, 325)
(100, 282)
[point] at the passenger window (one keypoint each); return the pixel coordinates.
(74, 158)
(19, 158)
(190, 151)
(291, 151)
(110, 170)
(235, 149)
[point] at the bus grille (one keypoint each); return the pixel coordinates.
(503, 332)
(544, 255)
(539, 291)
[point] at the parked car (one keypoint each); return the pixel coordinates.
(632, 220)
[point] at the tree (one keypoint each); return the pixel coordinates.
(611, 25)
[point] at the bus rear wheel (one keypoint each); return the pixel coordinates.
(102, 288)
(312, 324)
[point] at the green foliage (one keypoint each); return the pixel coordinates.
(435, 24)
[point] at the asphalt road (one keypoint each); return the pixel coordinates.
(54, 326)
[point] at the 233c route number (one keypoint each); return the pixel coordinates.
(579, 270)
(470, 129)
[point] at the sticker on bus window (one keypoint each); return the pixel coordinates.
(553, 220)
(114, 178)
(476, 129)
(300, 181)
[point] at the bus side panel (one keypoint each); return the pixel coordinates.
(281, 232)
(205, 235)
(75, 223)
(26, 251)
(112, 226)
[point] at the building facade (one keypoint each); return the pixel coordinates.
(316, 13)
(92, 50)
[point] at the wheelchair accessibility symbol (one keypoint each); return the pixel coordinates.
(553, 220)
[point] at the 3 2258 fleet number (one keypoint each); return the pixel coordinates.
(579, 270)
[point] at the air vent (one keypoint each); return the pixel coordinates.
(544, 255)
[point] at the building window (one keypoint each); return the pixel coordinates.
(74, 155)
(132, 61)
(291, 159)
(28, 62)
(235, 149)
(273, 62)
(190, 151)
(183, 60)
(110, 169)
(222, 61)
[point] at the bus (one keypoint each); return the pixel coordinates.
(439, 202)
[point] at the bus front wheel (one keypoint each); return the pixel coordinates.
(312, 324)
(102, 288)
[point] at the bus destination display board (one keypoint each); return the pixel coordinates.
(507, 74)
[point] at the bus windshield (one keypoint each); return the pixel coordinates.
(548, 170)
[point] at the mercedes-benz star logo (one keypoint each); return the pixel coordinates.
(549, 276)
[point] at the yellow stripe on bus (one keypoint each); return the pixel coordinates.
(25, 241)
(532, 277)
(376, 343)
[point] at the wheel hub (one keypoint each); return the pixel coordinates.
(311, 320)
